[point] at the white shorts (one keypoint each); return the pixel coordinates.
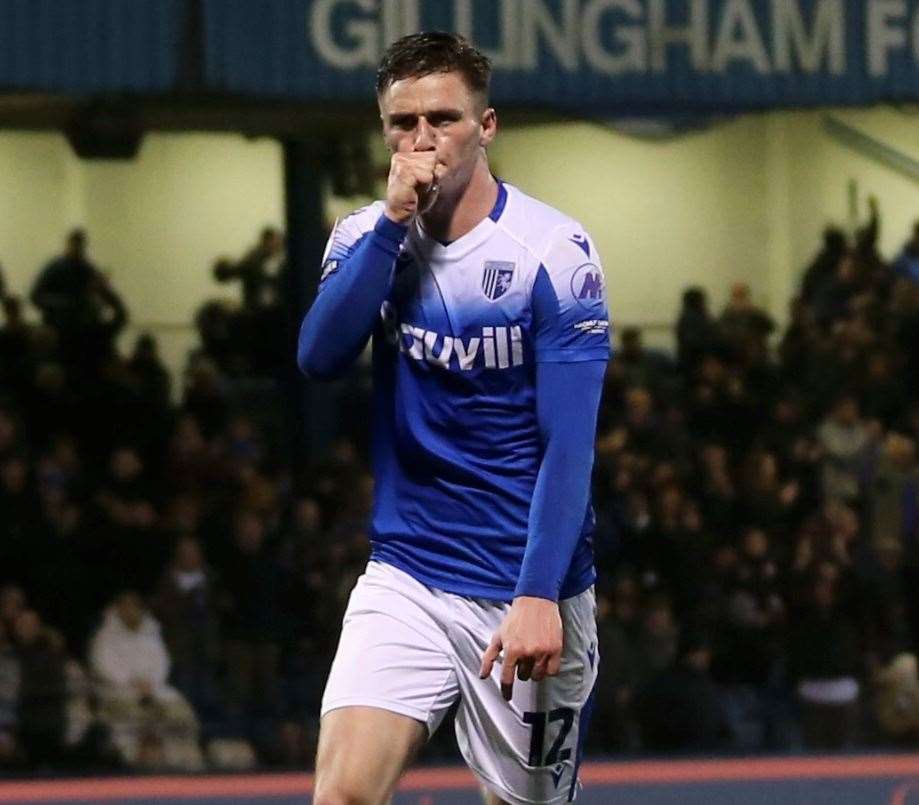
(413, 650)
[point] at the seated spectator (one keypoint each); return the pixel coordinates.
(43, 690)
(150, 721)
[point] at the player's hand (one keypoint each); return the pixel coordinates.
(530, 638)
(411, 175)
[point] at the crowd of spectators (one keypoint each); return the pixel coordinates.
(759, 518)
(171, 584)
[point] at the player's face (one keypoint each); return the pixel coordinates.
(439, 113)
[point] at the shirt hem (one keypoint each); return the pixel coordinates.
(505, 595)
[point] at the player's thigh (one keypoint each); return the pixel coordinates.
(528, 749)
(362, 752)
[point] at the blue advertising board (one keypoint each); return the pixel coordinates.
(585, 57)
(79, 47)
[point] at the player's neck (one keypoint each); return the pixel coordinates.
(467, 211)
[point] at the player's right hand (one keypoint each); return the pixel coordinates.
(411, 173)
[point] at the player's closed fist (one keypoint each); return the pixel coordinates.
(411, 175)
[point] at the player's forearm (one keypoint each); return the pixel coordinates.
(337, 326)
(568, 396)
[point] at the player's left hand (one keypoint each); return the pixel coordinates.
(531, 640)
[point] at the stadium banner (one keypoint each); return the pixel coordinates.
(90, 46)
(584, 57)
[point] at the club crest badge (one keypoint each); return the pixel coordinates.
(496, 278)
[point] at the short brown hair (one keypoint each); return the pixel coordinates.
(422, 54)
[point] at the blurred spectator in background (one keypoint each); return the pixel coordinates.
(258, 271)
(742, 323)
(824, 265)
(260, 323)
(128, 548)
(845, 439)
(42, 691)
(250, 601)
(77, 300)
(185, 604)
(679, 708)
(10, 682)
(907, 262)
(823, 656)
(697, 332)
(149, 373)
(16, 357)
(640, 366)
(152, 724)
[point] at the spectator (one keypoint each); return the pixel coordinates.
(907, 262)
(697, 333)
(43, 690)
(824, 265)
(150, 721)
(10, 683)
(258, 272)
(845, 439)
(679, 709)
(79, 303)
(251, 588)
(742, 322)
(643, 367)
(185, 604)
(823, 655)
(150, 376)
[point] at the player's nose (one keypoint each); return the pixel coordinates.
(424, 136)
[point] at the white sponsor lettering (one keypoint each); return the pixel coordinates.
(501, 347)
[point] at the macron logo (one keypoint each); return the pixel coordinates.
(592, 287)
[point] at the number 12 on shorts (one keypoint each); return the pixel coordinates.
(538, 721)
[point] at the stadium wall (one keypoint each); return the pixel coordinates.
(746, 199)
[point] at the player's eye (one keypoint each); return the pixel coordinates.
(406, 123)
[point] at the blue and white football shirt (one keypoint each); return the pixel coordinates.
(456, 447)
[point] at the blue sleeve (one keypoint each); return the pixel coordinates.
(570, 319)
(353, 287)
(567, 399)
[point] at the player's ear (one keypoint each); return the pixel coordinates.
(489, 123)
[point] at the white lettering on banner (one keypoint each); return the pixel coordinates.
(747, 46)
(634, 58)
(561, 37)
(827, 42)
(365, 31)
(694, 34)
(883, 37)
(619, 37)
(400, 17)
